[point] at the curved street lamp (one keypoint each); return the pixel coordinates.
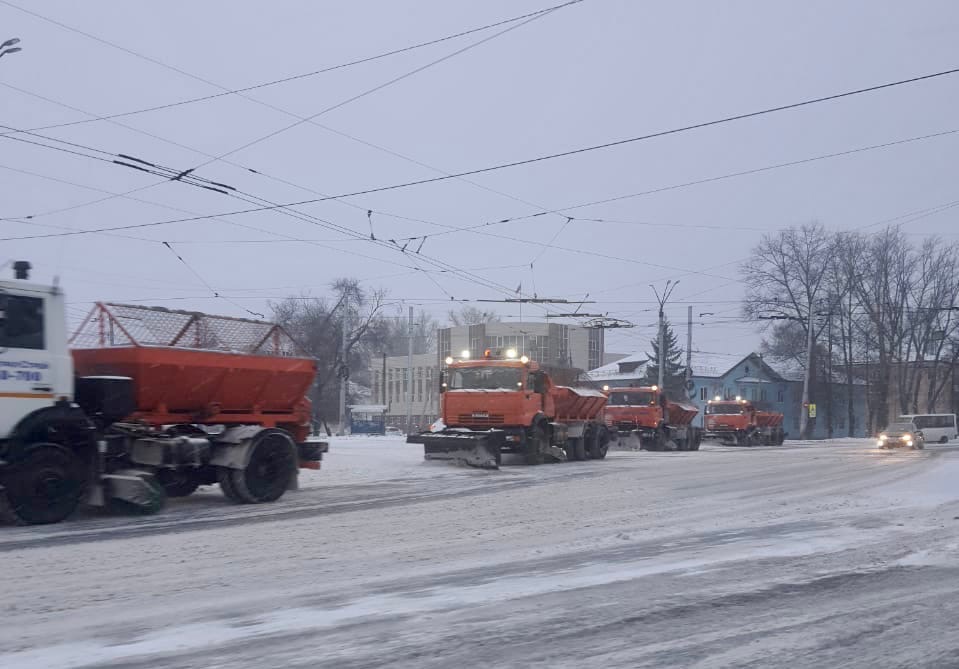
(8, 46)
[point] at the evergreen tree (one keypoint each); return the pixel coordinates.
(675, 374)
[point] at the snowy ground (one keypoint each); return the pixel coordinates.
(805, 555)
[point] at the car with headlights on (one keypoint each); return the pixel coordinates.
(902, 435)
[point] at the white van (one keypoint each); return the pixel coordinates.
(935, 427)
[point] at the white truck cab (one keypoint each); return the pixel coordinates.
(36, 369)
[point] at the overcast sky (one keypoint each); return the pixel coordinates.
(594, 72)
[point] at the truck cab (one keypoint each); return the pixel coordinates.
(493, 391)
(36, 369)
(634, 408)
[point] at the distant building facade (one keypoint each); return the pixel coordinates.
(390, 388)
(551, 344)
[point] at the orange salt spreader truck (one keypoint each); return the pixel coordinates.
(738, 422)
(143, 403)
(504, 403)
(654, 422)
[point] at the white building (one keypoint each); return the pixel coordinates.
(550, 344)
(424, 402)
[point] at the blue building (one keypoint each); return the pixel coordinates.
(773, 384)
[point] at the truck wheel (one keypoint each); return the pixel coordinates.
(597, 448)
(535, 445)
(178, 482)
(268, 473)
(575, 449)
(695, 440)
(580, 447)
(224, 476)
(43, 486)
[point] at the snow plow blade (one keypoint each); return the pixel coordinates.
(476, 449)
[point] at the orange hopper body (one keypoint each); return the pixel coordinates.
(174, 383)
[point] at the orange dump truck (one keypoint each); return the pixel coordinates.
(651, 419)
(739, 422)
(504, 403)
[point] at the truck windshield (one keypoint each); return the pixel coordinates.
(631, 399)
(724, 409)
(21, 322)
(486, 378)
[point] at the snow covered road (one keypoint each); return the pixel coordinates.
(806, 555)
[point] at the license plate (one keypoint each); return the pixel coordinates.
(480, 415)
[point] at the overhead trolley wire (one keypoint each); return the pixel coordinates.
(265, 84)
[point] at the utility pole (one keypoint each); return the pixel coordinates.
(804, 414)
(383, 382)
(344, 376)
(670, 287)
(829, 369)
(409, 377)
(689, 346)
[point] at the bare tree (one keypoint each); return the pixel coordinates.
(785, 280)
(319, 325)
(472, 316)
(390, 333)
(880, 277)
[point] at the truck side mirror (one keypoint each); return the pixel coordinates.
(539, 382)
(442, 383)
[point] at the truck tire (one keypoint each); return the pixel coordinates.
(267, 475)
(659, 442)
(597, 447)
(695, 439)
(178, 482)
(536, 444)
(575, 449)
(224, 476)
(43, 485)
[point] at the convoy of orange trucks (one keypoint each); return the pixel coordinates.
(145, 403)
(502, 404)
(656, 423)
(740, 422)
(141, 404)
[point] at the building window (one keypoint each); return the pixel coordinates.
(752, 394)
(702, 393)
(762, 395)
(781, 396)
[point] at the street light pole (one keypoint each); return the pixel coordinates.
(667, 291)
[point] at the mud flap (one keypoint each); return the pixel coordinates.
(476, 449)
(134, 491)
(554, 454)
